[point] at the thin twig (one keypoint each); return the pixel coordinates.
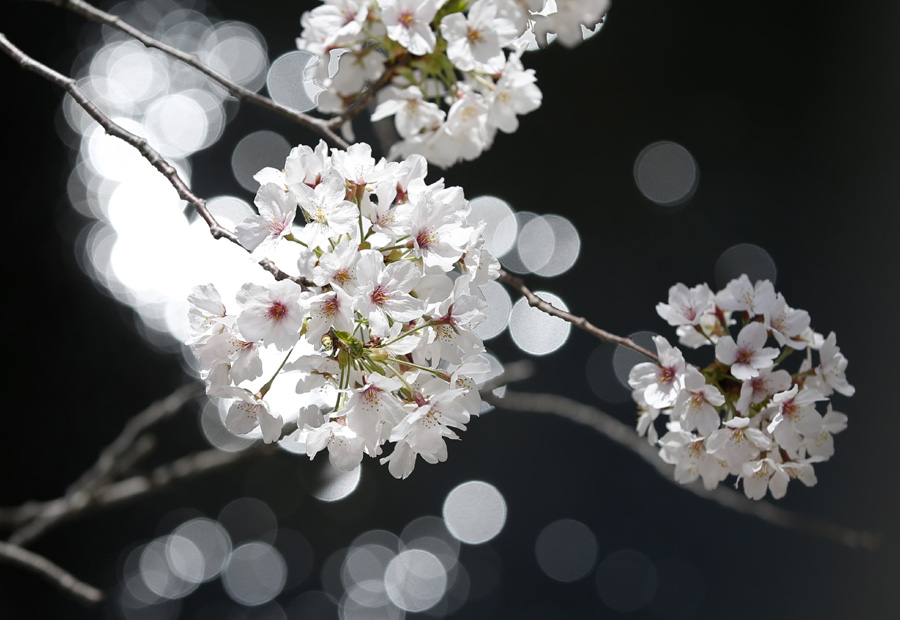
(517, 284)
(104, 469)
(65, 581)
(321, 127)
(359, 104)
(625, 436)
(32, 520)
(63, 509)
(149, 153)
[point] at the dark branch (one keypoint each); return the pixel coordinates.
(626, 437)
(92, 13)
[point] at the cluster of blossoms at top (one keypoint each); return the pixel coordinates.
(743, 414)
(450, 70)
(373, 337)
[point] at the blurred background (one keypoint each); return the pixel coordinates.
(684, 142)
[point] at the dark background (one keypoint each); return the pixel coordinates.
(790, 111)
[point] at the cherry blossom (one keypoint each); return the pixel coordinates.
(742, 415)
(375, 334)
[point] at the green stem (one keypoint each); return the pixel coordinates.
(412, 331)
(436, 373)
(264, 389)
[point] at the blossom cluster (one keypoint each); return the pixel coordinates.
(374, 334)
(744, 414)
(449, 71)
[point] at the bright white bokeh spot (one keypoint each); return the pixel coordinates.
(335, 484)
(499, 305)
(158, 575)
(256, 151)
(624, 358)
(238, 51)
(255, 574)
(229, 211)
(112, 157)
(566, 550)
(365, 563)
(185, 558)
(666, 173)
(566, 247)
(500, 222)
(415, 580)
(133, 74)
(176, 125)
(286, 82)
(536, 332)
(211, 543)
(626, 580)
(475, 512)
(511, 260)
(362, 602)
(431, 534)
(745, 258)
(536, 244)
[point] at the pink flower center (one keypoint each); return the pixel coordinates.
(666, 374)
(331, 306)
(379, 295)
(277, 311)
(425, 239)
(789, 408)
(342, 276)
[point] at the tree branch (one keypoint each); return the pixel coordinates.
(321, 127)
(149, 153)
(33, 519)
(63, 509)
(517, 284)
(80, 591)
(625, 436)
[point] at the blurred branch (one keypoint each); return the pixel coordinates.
(149, 153)
(626, 437)
(92, 13)
(82, 592)
(109, 463)
(517, 284)
(64, 509)
(33, 519)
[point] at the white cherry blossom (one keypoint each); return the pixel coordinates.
(749, 355)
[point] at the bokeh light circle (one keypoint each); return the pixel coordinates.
(566, 550)
(566, 246)
(500, 224)
(624, 358)
(536, 332)
(499, 305)
(626, 580)
(258, 150)
(666, 173)
(475, 512)
(255, 574)
(745, 258)
(286, 84)
(415, 580)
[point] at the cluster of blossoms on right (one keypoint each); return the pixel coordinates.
(743, 415)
